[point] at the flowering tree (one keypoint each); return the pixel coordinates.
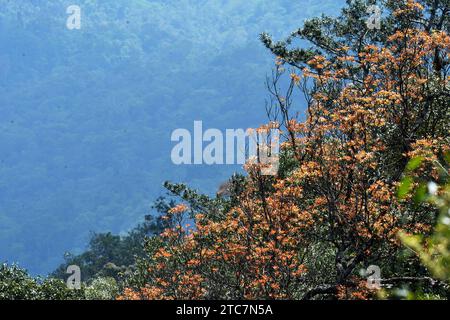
(375, 99)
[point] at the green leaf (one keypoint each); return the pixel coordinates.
(405, 187)
(414, 163)
(421, 193)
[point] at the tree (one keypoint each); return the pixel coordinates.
(112, 256)
(16, 284)
(375, 99)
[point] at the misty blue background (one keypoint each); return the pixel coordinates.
(86, 115)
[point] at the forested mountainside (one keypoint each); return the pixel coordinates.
(86, 115)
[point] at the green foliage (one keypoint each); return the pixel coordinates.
(405, 187)
(102, 289)
(16, 284)
(434, 250)
(111, 255)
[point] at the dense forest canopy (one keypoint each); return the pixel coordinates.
(86, 115)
